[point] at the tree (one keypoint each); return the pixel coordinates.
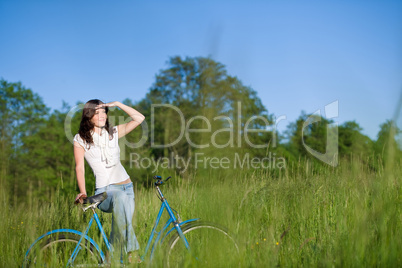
(352, 141)
(202, 96)
(300, 134)
(386, 144)
(22, 112)
(47, 160)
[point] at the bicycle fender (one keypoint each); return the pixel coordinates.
(180, 224)
(67, 231)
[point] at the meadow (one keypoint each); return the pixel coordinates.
(304, 215)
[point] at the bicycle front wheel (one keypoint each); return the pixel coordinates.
(210, 246)
(55, 250)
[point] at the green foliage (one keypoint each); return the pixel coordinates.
(345, 216)
(386, 139)
(352, 141)
(313, 135)
(22, 113)
(209, 101)
(36, 150)
(49, 160)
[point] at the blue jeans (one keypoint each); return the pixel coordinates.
(120, 202)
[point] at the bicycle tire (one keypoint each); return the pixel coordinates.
(54, 250)
(211, 245)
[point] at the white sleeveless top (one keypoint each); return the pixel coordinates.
(103, 156)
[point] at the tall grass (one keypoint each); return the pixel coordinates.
(305, 216)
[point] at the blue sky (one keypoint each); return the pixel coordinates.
(298, 55)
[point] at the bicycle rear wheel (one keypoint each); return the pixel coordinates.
(55, 250)
(210, 246)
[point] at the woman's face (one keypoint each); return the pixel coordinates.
(99, 118)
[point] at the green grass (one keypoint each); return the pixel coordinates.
(304, 216)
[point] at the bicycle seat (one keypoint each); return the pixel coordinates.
(95, 198)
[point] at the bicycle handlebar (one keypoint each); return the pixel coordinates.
(159, 180)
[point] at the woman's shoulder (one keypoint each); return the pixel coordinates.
(80, 141)
(78, 138)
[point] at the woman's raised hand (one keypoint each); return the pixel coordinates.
(109, 104)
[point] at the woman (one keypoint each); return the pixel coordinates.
(97, 142)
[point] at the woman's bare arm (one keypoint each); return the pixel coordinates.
(80, 169)
(136, 117)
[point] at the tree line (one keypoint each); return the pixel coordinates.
(216, 116)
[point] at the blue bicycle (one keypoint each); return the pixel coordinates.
(184, 243)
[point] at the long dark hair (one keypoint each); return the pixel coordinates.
(86, 126)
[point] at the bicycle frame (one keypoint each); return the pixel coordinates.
(85, 234)
(172, 219)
